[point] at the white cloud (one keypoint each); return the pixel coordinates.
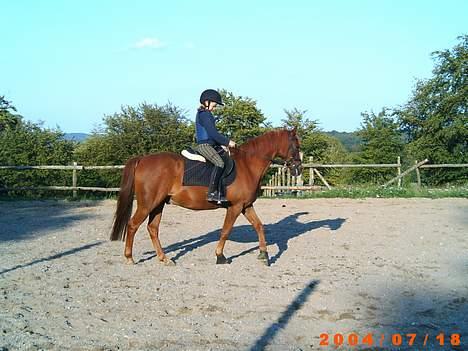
(152, 43)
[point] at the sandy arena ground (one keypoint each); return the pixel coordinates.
(380, 266)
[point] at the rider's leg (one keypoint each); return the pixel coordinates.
(213, 190)
(211, 155)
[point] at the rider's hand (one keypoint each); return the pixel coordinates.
(232, 143)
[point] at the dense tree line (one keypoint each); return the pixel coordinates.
(432, 124)
(26, 143)
(435, 119)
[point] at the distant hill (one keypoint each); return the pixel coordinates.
(349, 140)
(79, 137)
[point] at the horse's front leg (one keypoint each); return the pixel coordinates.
(231, 215)
(251, 215)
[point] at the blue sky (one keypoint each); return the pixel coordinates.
(68, 63)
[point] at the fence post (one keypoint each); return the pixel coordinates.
(399, 171)
(418, 174)
(272, 183)
(322, 179)
(283, 176)
(311, 171)
(75, 179)
(278, 178)
(411, 169)
(300, 182)
(275, 184)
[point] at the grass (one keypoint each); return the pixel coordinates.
(357, 192)
(58, 196)
(350, 192)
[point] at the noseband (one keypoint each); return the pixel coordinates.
(293, 151)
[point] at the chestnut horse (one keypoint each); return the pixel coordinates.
(157, 179)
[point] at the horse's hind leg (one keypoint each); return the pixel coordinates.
(153, 230)
(251, 215)
(138, 218)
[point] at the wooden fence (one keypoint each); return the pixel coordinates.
(281, 181)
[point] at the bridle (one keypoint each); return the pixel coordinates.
(294, 162)
(294, 151)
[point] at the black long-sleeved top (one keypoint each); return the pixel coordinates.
(206, 129)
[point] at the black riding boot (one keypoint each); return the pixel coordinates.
(213, 190)
(222, 190)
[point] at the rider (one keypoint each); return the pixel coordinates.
(207, 137)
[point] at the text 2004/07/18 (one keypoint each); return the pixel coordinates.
(410, 339)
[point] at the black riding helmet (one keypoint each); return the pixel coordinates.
(211, 95)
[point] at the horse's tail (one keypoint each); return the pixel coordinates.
(125, 200)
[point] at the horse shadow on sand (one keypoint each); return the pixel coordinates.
(277, 234)
(27, 220)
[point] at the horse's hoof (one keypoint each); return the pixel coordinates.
(263, 257)
(168, 262)
(221, 259)
(130, 261)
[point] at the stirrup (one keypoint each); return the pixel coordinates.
(222, 200)
(216, 197)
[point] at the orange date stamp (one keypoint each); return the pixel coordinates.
(397, 339)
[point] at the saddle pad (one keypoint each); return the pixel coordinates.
(198, 173)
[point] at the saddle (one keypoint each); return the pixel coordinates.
(197, 170)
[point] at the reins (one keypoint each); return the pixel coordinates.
(283, 163)
(276, 162)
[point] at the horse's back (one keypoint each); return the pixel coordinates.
(160, 165)
(160, 158)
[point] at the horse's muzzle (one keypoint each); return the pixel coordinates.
(296, 169)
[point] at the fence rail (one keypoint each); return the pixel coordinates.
(280, 181)
(349, 165)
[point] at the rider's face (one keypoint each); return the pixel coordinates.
(212, 105)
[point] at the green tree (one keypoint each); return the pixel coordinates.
(335, 152)
(296, 118)
(240, 119)
(7, 118)
(137, 131)
(382, 142)
(315, 143)
(350, 140)
(28, 144)
(435, 119)
(133, 131)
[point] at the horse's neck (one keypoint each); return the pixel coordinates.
(262, 146)
(258, 155)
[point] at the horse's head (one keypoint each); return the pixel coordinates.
(292, 155)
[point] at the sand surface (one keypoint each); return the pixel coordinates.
(380, 266)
